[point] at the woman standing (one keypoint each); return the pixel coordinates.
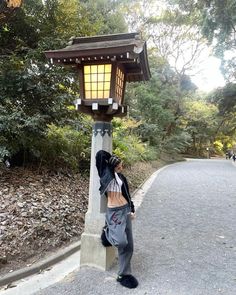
(120, 210)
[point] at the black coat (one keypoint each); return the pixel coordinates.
(106, 174)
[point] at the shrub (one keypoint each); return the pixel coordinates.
(65, 147)
(128, 146)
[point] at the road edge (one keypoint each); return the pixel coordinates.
(41, 265)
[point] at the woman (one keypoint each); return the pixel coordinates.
(120, 210)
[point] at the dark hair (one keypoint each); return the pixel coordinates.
(114, 161)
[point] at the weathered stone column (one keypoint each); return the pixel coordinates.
(92, 251)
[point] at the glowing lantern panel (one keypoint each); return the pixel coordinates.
(97, 81)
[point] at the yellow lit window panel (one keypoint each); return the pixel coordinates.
(94, 86)
(100, 68)
(119, 85)
(86, 78)
(107, 77)
(94, 94)
(100, 86)
(94, 77)
(108, 68)
(97, 80)
(87, 86)
(106, 94)
(107, 86)
(87, 69)
(100, 94)
(94, 69)
(100, 77)
(87, 94)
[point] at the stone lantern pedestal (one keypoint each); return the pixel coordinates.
(92, 251)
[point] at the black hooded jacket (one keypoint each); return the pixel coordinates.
(106, 174)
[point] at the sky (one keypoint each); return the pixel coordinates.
(210, 76)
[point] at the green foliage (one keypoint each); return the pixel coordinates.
(217, 22)
(158, 104)
(225, 98)
(3, 152)
(177, 143)
(32, 96)
(216, 17)
(201, 122)
(65, 147)
(18, 130)
(218, 147)
(36, 112)
(35, 94)
(127, 145)
(101, 17)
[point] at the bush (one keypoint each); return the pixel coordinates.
(128, 146)
(177, 143)
(65, 147)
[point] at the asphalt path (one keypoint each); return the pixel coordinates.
(184, 234)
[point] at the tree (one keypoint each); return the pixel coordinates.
(33, 92)
(200, 121)
(225, 99)
(157, 105)
(217, 22)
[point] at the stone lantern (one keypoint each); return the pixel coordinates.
(104, 64)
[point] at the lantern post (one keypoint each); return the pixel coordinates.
(104, 64)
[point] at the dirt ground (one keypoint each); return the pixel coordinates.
(41, 212)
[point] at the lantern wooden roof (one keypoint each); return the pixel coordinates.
(127, 49)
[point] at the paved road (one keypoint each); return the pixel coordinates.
(185, 237)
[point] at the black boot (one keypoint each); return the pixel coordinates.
(128, 281)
